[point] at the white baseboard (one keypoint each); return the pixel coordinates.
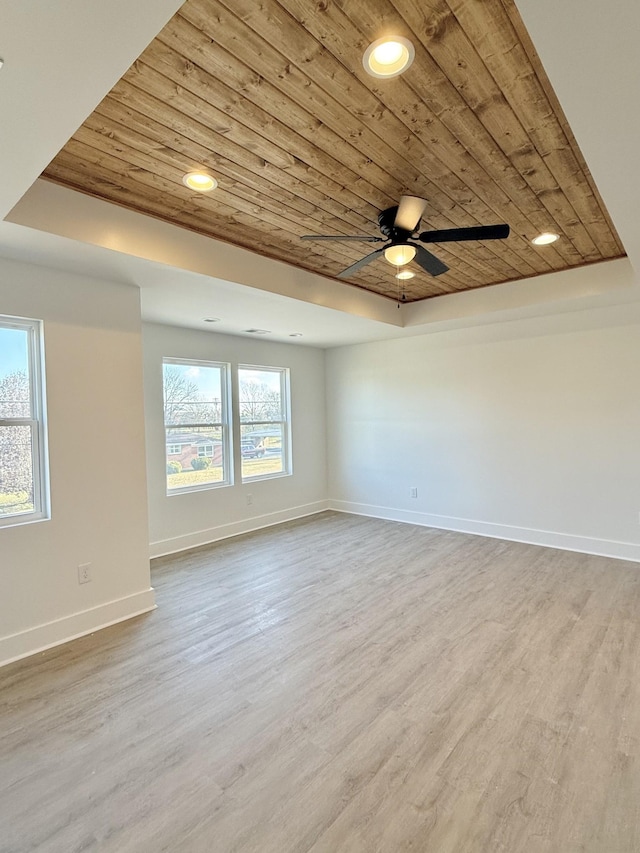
(42, 637)
(546, 538)
(213, 534)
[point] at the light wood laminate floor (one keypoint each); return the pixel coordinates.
(339, 684)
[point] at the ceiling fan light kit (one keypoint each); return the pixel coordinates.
(388, 56)
(400, 255)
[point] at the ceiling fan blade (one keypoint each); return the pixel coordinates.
(455, 235)
(429, 262)
(361, 263)
(363, 238)
(409, 213)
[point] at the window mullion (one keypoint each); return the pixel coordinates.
(9, 422)
(207, 425)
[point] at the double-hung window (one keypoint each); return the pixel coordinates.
(23, 450)
(196, 420)
(264, 421)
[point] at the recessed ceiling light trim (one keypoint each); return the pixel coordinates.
(545, 239)
(258, 331)
(212, 319)
(389, 56)
(295, 334)
(403, 275)
(201, 182)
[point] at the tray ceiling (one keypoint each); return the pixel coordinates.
(272, 98)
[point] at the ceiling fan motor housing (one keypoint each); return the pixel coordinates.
(386, 221)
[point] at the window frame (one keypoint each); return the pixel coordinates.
(37, 422)
(285, 423)
(224, 425)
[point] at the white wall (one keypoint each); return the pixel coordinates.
(527, 430)
(194, 518)
(96, 449)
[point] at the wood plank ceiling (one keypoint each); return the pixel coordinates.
(272, 98)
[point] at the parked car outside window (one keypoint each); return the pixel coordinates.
(249, 450)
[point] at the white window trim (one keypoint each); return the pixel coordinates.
(285, 425)
(224, 425)
(37, 422)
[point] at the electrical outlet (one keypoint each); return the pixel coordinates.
(414, 492)
(249, 500)
(84, 573)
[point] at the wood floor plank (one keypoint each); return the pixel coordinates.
(339, 684)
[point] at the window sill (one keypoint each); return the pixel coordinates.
(22, 520)
(205, 487)
(259, 477)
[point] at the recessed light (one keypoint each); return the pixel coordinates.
(405, 274)
(545, 239)
(400, 255)
(295, 335)
(212, 319)
(202, 182)
(258, 331)
(1, 62)
(388, 57)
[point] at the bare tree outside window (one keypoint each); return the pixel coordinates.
(183, 401)
(259, 402)
(16, 470)
(22, 439)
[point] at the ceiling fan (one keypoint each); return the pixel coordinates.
(399, 225)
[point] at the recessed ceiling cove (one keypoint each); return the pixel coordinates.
(273, 101)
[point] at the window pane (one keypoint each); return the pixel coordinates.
(16, 470)
(261, 450)
(14, 373)
(260, 395)
(195, 457)
(192, 394)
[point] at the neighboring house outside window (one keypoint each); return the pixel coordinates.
(265, 423)
(24, 492)
(196, 419)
